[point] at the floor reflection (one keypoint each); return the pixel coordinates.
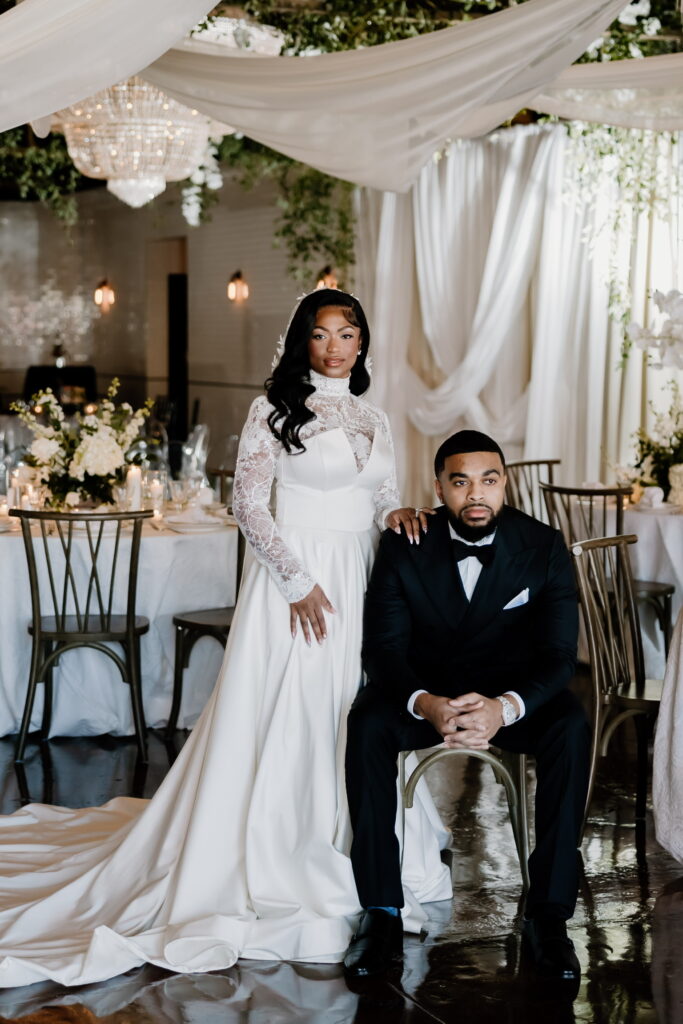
(469, 965)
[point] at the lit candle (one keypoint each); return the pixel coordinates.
(25, 503)
(134, 488)
(4, 508)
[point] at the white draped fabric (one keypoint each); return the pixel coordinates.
(633, 93)
(490, 306)
(372, 116)
(43, 43)
(375, 116)
(478, 215)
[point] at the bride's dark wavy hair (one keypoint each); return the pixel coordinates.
(289, 386)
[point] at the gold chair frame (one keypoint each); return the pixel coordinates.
(619, 688)
(523, 490)
(509, 770)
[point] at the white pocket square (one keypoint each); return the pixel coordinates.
(521, 598)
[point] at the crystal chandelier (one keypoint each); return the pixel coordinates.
(136, 138)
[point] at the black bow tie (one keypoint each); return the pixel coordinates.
(484, 552)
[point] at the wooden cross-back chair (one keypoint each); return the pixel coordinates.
(588, 512)
(522, 489)
(619, 688)
(83, 578)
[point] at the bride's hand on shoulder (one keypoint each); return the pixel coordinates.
(411, 519)
(310, 613)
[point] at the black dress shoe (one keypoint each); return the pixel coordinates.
(552, 949)
(376, 946)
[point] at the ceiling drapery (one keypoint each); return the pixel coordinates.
(55, 54)
(371, 116)
(375, 116)
(638, 93)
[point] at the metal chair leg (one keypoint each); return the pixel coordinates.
(642, 726)
(134, 680)
(178, 670)
(30, 699)
(666, 624)
(47, 687)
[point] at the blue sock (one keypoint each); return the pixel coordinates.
(394, 911)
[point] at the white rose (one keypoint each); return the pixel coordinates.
(72, 499)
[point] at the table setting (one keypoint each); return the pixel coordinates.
(188, 562)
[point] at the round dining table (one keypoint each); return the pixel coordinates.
(178, 572)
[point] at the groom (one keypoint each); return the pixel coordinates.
(470, 639)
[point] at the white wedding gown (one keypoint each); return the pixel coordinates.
(243, 850)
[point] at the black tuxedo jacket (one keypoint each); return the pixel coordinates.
(421, 632)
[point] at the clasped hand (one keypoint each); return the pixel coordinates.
(467, 721)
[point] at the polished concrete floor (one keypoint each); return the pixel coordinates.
(468, 967)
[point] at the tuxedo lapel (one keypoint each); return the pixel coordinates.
(499, 582)
(438, 572)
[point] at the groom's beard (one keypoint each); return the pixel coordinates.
(472, 533)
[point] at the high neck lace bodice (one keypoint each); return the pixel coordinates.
(330, 387)
(259, 463)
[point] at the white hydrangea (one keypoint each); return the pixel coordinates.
(72, 499)
(98, 454)
(45, 449)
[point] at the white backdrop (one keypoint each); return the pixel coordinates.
(490, 307)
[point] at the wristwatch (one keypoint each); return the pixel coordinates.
(509, 713)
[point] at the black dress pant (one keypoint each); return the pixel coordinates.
(557, 735)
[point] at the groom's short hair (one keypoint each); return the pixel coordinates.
(465, 441)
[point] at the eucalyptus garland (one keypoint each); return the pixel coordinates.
(315, 222)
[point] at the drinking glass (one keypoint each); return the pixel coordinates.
(177, 491)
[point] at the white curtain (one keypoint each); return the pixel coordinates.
(478, 214)
(491, 237)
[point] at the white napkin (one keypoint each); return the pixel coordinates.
(652, 497)
(193, 514)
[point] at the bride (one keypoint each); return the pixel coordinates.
(244, 849)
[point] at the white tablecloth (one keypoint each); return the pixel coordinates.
(178, 572)
(657, 556)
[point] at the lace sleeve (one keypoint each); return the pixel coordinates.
(256, 461)
(386, 497)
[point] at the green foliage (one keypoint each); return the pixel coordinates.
(316, 217)
(40, 169)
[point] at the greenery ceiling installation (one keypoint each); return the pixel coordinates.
(315, 223)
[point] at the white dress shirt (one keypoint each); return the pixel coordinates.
(469, 569)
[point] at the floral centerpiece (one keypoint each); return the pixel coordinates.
(81, 459)
(660, 449)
